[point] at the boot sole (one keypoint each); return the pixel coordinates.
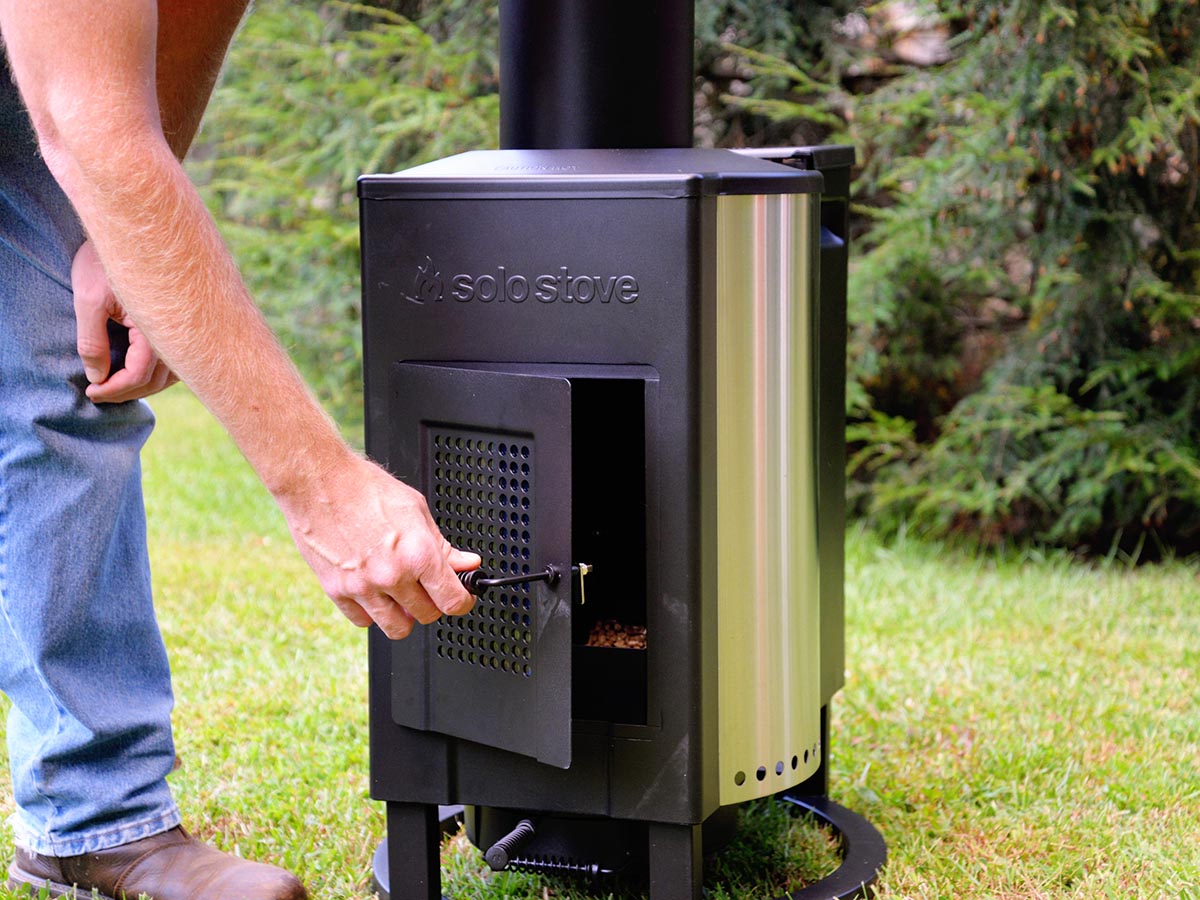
(19, 880)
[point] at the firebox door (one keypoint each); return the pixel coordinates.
(491, 452)
(495, 448)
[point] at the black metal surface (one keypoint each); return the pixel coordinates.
(623, 769)
(821, 158)
(449, 819)
(864, 852)
(658, 174)
(830, 408)
(817, 784)
(568, 72)
(494, 475)
(415, 859)
(676, 861)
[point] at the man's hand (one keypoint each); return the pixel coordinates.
(96, 306)
(376, 550)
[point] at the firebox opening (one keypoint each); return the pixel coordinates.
(608, 465)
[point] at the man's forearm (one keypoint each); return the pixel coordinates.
(90, 85)
(179, 285)
(191, 41)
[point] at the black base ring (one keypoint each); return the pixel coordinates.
(864, 852)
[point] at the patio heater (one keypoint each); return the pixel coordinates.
(614, 365)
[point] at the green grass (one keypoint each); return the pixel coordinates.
(1025, 728)
(1019, 728)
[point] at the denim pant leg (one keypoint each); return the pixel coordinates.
(81, 656)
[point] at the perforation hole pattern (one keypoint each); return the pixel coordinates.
(779, 767)
(481, 496)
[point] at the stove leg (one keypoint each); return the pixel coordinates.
(414, 852)
(676, 860)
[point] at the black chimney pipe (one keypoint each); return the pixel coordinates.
(596, 73)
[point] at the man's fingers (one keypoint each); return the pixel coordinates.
(94, 306)
(418, 604)
(393, 619)
(352, 611)
(91, 341)
(424, 556)
(142, 372)
(140, 359)
(378, 547)
(462, 560)
(409, 599)
(124, 385)
(442, 585)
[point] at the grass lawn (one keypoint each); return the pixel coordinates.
(1025, 728)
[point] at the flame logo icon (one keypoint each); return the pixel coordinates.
(427, 284)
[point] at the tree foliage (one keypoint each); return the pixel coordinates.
(1026, 314)
(749, 55)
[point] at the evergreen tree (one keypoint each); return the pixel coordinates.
(1026, 340)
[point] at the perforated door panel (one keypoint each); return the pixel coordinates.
(491, 452)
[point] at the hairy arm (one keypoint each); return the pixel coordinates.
(89, 82)
(192, 38)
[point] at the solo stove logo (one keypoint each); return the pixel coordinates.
(427, 287)
(502, 287)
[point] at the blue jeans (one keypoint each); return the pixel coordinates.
(81, 656)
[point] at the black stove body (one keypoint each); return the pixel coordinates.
(629, 362)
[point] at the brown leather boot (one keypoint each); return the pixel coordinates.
(169, 866)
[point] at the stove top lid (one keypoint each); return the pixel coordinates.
(661, 173)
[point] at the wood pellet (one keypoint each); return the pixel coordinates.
(611, 633)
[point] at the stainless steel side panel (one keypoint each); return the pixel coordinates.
(768, 603)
